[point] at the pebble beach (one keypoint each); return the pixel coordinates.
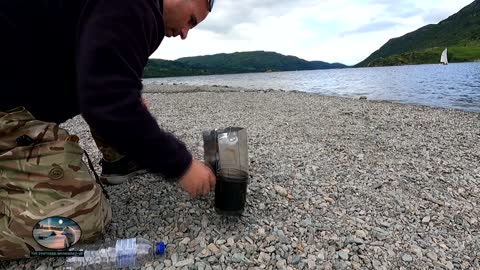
(334, 183)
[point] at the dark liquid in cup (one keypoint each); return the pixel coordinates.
(230, 195)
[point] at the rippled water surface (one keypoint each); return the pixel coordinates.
(454, 86)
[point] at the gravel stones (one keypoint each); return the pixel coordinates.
(281, 190)
(361, 234)
(374, 185)
(407, 258)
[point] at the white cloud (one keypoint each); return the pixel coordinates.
(345, 31)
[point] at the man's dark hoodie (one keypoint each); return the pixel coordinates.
(61, 58)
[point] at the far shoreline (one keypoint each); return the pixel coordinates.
(280, 71)
(182, 88)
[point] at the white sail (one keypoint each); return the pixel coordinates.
(444, 58)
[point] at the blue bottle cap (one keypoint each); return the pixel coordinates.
(160, 248)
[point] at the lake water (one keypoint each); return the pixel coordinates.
(455, 86)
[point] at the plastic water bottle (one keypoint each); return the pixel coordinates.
(121, 253)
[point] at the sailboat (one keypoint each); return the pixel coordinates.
(444, 58)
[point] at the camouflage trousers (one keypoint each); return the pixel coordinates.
(42, 175)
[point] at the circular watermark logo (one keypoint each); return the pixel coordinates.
(56, 232)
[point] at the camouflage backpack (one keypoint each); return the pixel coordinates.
(42, 175)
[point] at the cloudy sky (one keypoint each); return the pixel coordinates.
(345, 31)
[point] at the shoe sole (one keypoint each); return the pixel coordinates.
(119, 179)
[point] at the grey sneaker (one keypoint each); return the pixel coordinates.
(117, 172)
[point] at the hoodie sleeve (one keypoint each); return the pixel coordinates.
(115, 39)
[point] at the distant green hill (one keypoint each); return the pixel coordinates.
(165, 68)
(460, 33)
(239, 62)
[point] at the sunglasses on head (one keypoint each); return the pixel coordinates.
(210, 5)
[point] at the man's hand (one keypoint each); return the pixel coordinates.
(198, 180)
(145, 103)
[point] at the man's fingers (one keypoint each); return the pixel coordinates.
(207, 166)
(212, 180)
(206, 187)
(210, 176)
(194, 192)
(145, 103)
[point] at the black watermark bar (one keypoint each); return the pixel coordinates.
(75, 253)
